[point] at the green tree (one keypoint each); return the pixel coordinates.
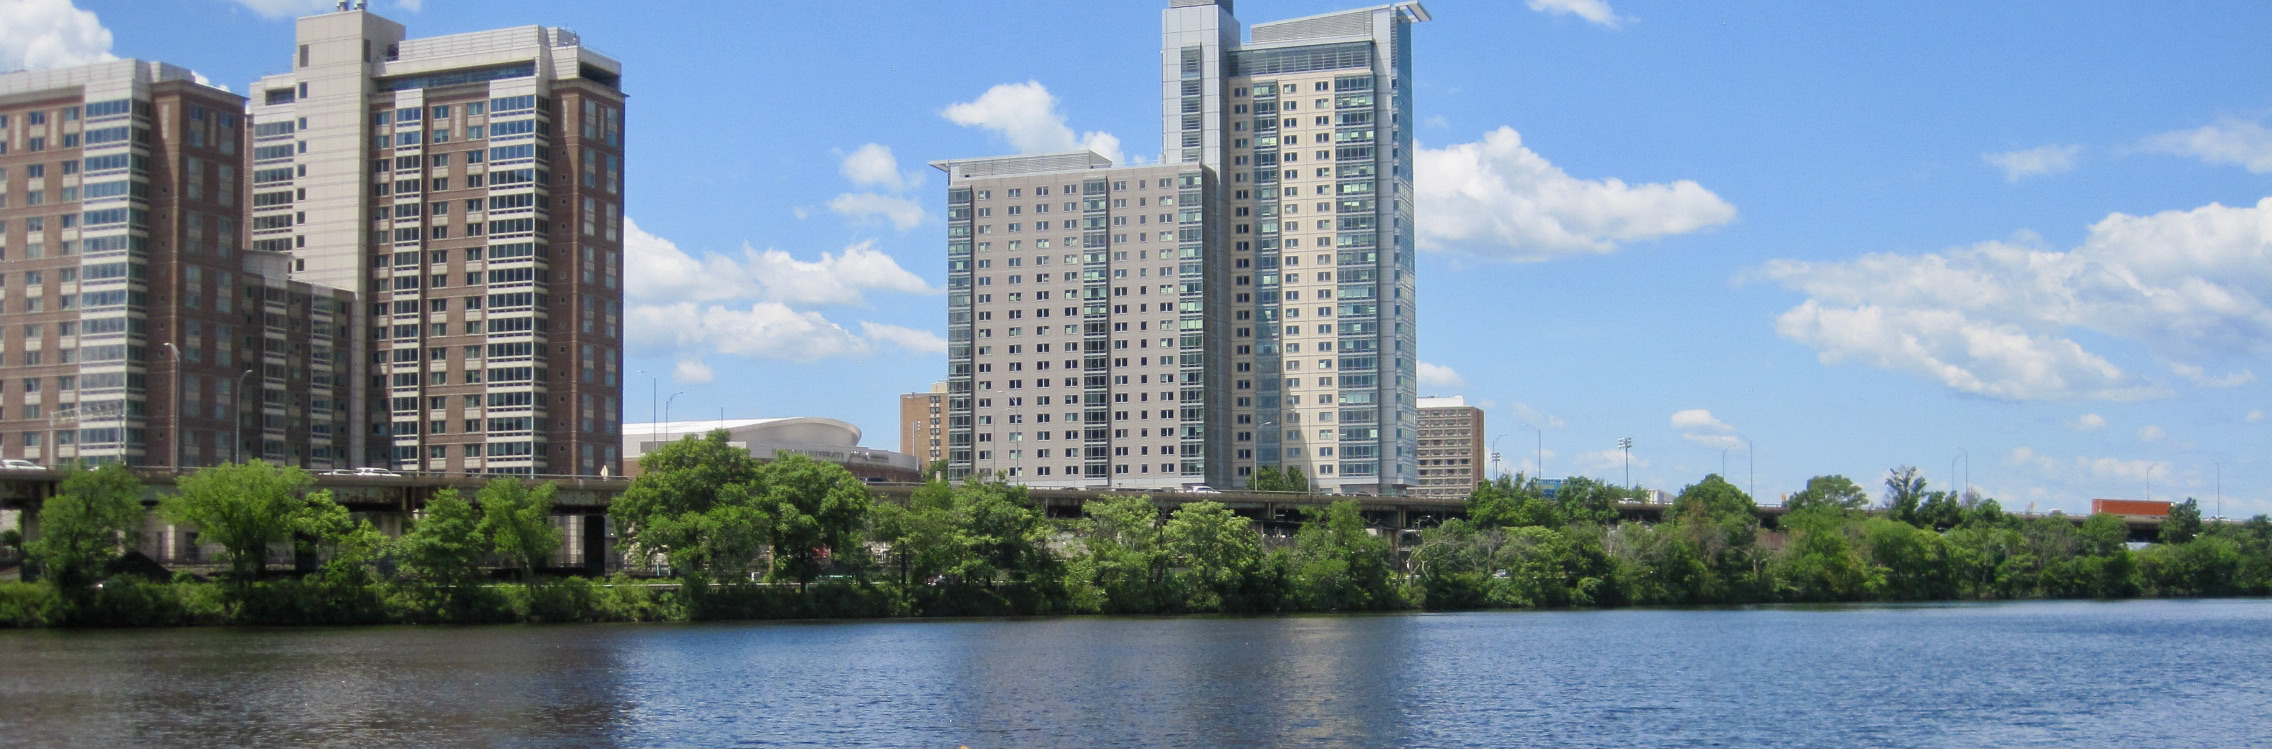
(1821, 561)
(2183, 523)
(244, 507)
(1339, 565)
(1720, 523)
(817, 512)
(1125, 559)
(695, 503)
(517, 520)
(91, 518)
(1267, 479)
(1904, 492)
(1217, 556)
(1582, 500)
(440, 556)
(1510, 501)
(1837, 492)
(1296, 481)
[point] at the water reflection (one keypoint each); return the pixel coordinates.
(2176, 673)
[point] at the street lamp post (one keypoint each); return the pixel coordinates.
(667, 412)
(1751, 458)
(654, 394)
(1495, 454)
(1724, 460)
(1541, 448)
(173, 440)
(2220, 487)
(237, 438)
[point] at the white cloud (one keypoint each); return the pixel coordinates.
(903, 213)
(919, 341)
(1596, 11)
(873, 165)
(752, 305)
(1535, 417)
(693, 372)
(1999, 319)
(2201, 377)
(2151, 433)
(2255, 415)
(2227, 141)
(1699, 419)
(1610, 463)
(766, 330)
(294, 8)
(1439, 376)
(2034, 162)
(41, 34)
(1025, 114)
(658, 270)
(1497, 198)
(2087, 423)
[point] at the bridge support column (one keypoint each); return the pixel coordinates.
(595, 544)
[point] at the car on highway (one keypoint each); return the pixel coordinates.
(1201, 489)
(364, 471)
(14, 464)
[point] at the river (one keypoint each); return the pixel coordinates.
(2133, 673)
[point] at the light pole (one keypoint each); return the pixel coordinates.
(1495, 454)
(1751, 457)
(237, 440)
(667, 410)
(1965, 485)
(1541, 448)
(2220, 487)
(173, 440)
(654, 392)
(1625, 458)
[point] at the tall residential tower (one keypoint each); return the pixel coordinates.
(1289, 255)
(469, 189)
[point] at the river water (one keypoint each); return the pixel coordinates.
(2137, 673)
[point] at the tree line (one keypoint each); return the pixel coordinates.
(725, 536)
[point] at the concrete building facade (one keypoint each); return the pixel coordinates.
(1452, 452)
(1293, 332)
(469, 189)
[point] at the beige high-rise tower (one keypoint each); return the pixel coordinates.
(1289, 256)
(469, 188)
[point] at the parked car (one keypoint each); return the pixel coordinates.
(371, 471)
(13, 464)
(1201, 489)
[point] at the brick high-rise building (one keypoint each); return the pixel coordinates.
(1284, 330)
(469, 189)
(923, 424)
(133, 326)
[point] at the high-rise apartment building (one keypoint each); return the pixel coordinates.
(1452, 457)
(469, 189)
(1288, 251)
(133, 328)
(1083, 322)
(923, 424)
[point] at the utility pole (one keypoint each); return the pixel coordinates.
(173, 440)
(237, 441)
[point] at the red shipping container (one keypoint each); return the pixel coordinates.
(2130, 507)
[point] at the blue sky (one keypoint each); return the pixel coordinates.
(2022, 236)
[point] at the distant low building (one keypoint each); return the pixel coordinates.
(1451, 448)
(818, 438)
(923, 422)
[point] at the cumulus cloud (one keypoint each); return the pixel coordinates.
(1025, 114)
(1535, 417)
(2001, 319)
(1497, 198)
(1611, 463)
(656, 269)
(2087, 423)
(693, 372)
(919, 341)
(903, 213)
(1439, 376)
(2034, 162)
(873, 165)
(2226, 142)
(1595, 11)
(755, 304)
(1701, 427)
(1699, 419)
(41, 34)
(2151, 433)
(2255, 415)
